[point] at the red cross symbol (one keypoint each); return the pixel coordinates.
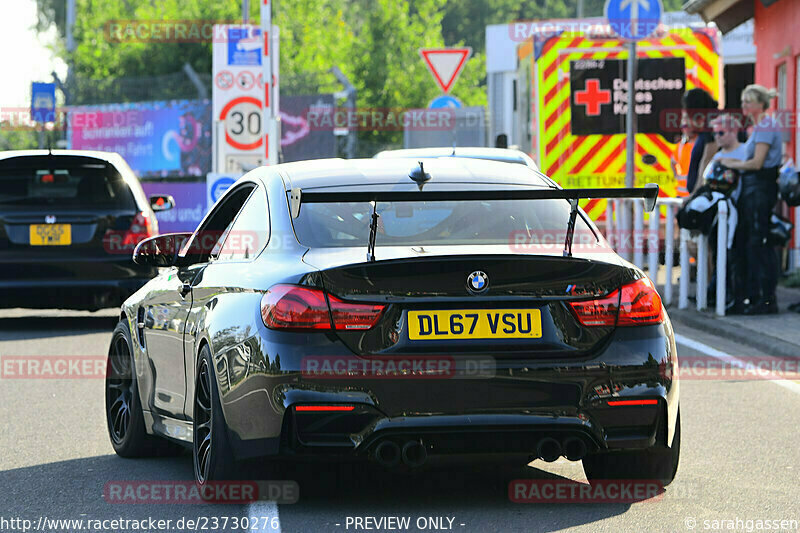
(593, 97)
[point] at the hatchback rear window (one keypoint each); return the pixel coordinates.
(56, 182)
(497, 222)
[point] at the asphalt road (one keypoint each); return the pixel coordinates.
(740, 459)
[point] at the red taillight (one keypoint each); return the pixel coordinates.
(297, 307)
(619, 403)
(142, 227)
(638, 304)
(347, 315)
(294, 307)
(319, 408)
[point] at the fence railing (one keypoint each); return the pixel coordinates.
(617, 213)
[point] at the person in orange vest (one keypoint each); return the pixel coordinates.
(681, 157)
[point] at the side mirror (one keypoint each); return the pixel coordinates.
(160, 251)
(162, 202)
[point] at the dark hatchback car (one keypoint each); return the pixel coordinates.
(69, 221)
(341, 309)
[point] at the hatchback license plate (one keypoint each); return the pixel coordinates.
(50, 234)
(475, 324)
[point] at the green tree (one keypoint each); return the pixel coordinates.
(467, 19)
(374, 42)
(11, 139)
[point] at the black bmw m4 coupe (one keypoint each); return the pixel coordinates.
(392, 311)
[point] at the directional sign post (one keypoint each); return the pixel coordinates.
(445, 64)
(244, 106)
(43, 106)
(43, 102)
(632, 20)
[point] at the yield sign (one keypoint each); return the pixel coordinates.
(445, 64)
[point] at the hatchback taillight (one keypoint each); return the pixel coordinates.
(122, 241)
(638, 304)
(297, 307)
(142, 227)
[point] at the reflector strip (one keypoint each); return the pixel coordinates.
(324, 408)
(632, 402)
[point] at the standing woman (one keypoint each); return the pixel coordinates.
(764, 151)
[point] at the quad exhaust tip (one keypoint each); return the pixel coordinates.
(387, 453)
(549, 449)
(414, 454)
(574, 449)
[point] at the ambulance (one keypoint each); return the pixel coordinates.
(572, 96)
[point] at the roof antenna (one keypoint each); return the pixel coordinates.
(419, 175)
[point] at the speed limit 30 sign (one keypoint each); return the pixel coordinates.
(242, 119)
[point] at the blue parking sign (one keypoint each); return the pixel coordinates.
(217, 184)
(43, 102)
(634, 19)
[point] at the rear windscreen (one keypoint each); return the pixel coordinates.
(493, 222)
(63, 185)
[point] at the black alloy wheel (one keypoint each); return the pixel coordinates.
(212, 452)
(203, 415)
(124, 416)
(120, 388)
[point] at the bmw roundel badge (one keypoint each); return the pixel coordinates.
(478, 282)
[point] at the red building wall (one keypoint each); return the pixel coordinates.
(777, 33)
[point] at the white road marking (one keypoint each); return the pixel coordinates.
(264, 512)
(723, 356)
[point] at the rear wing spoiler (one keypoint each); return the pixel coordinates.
(649, 193)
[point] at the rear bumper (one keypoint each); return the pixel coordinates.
(83, 293)
(513, 410)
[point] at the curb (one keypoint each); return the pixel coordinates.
(709, 323)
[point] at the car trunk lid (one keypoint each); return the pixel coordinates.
(430, 305)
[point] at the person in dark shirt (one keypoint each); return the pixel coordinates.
(699, 107)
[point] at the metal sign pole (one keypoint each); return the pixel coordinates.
(630, 129)
(266, 65)
(630, 152)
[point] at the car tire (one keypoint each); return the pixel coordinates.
(124, 416)
(212, 455)
(660, 464)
